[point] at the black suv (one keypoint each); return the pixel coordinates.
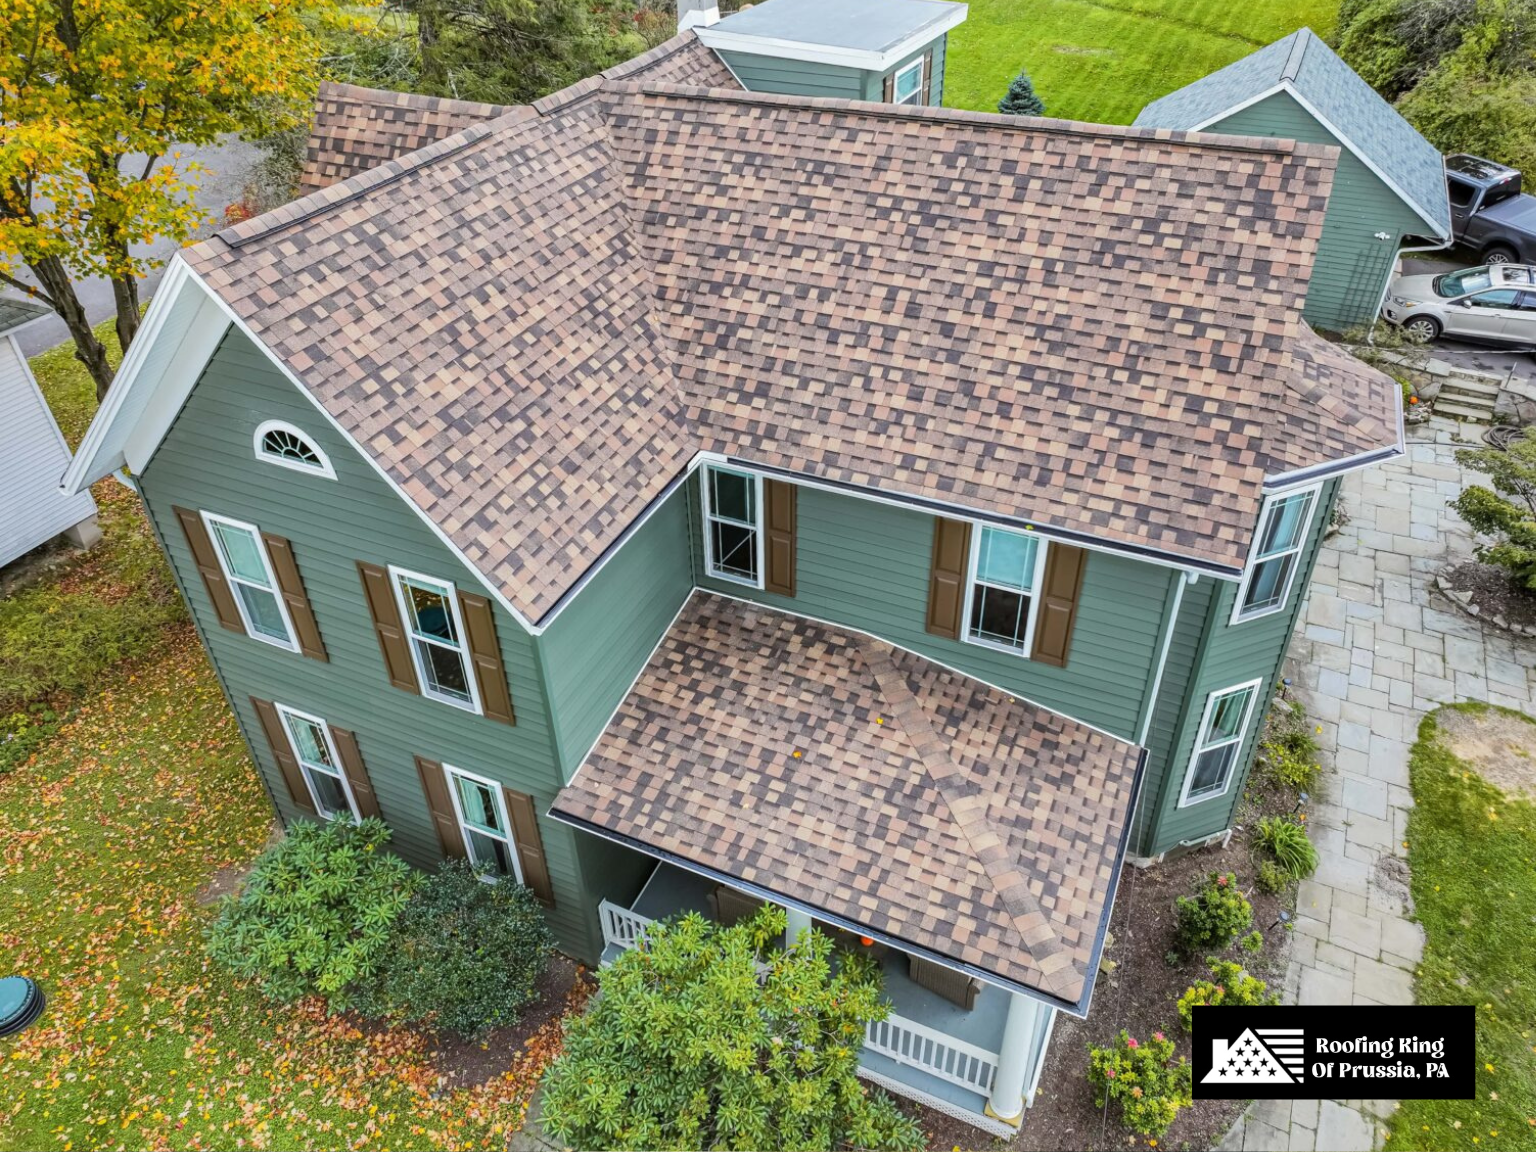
(1489, 212)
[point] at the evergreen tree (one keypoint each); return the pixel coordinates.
(1021, 99)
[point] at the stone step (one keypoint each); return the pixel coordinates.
(1467, 399)
(1473, 384)
(1466, 412)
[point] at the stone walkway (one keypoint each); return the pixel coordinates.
(1376, 652)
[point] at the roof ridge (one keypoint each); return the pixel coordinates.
(1300, 40)
(968, 813)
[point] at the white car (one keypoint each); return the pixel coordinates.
(1494, 303)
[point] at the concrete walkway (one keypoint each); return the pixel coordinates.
(1376, 651)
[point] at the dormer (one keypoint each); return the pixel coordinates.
(883, 50)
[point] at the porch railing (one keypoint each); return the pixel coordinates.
(621, 926)
(917, 1046)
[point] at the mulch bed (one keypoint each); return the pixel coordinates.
(1494, 596)
(1140, 995)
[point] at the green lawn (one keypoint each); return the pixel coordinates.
(1104, 60)
(132, 801)
(1472, 850)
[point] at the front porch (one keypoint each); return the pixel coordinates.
(931, 1048)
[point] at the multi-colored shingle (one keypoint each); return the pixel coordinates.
(859, 779)
(534, 324)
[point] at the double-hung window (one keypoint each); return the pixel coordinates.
(1276, 554)
(315, 751)
(907, 85)
(1220, 742)
(435, 629)
(243, 558)
(1001, 595)
(733, 530)
(482, 813)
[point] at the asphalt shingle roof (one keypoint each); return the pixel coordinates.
(837, 771)
(534, 325)
(1385, 140)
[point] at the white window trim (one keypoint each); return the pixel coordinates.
(1242, 739)
(917, 92)
(757, 504)
(209, 520)
(470, 676)
(322, 469)
(449, 772)
(1273, 498)
(286, 712)
(1042, 545)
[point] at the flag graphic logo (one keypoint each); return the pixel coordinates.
(1259, 1056)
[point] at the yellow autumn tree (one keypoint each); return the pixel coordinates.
(96, 97)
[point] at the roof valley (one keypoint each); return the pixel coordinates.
(967, 808)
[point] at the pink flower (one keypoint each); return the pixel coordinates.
(1109, 1073)
(1159, 1037)
(1131, 1043)
(1221, 881)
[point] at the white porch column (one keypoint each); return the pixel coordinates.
(798, 921)
(1013, 1063)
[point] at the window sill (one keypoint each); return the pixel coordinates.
(461, 705)
(1021, 653)
(740, 580)
(285, 645)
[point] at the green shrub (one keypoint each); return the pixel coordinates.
(1288, 747)
(1253, 942)
(1272, 878)
(23, 733)
(316, 914)
(1214, 916)
(1229, 985)
(1143, 1078)
(687, 1047)
(465, 954)
(1286, 842)
(1021, 98)
(1508, 511)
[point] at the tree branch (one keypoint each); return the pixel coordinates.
(29, 289)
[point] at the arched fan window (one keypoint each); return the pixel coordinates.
(284, 445)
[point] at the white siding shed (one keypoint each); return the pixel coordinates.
(33, 455)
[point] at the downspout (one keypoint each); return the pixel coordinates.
(1370, 336)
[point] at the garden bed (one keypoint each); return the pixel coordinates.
(1487, 592)
(1140, 993)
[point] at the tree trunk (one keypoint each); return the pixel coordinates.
(125, 294)
(51, 274)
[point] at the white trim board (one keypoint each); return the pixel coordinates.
(866, 59)
(1289, 88)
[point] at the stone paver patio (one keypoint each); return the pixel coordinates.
(1375, 652)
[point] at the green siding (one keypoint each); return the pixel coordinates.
(804, 78)
(207, 462)
(865, 565)
(1229, 655)
(795, 77)
(596, 647)
(1352, 266)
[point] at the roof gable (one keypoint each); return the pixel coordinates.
(1330, 91)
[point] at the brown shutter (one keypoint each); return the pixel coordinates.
(357, 775)
(207, 561)
(928, 78)
(890, 87)
(779, 527)
(530, 847)
(480, 624)
(1057, 613)
(292, 587)
(387, 626)
(946, 577)
(435, 784)
(282, 752)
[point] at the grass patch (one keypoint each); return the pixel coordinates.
(1104, 60)
(1472, 850)
(105, 838)
(59, 633)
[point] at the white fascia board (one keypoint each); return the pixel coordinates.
(863, 58)
(101, 449)
(170, 390)
(363, 454)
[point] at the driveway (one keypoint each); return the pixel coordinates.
(227, 163)
(1458, 353)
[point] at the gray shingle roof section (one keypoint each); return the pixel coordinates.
(867, 25)
(14, 312)
(1352, 107)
